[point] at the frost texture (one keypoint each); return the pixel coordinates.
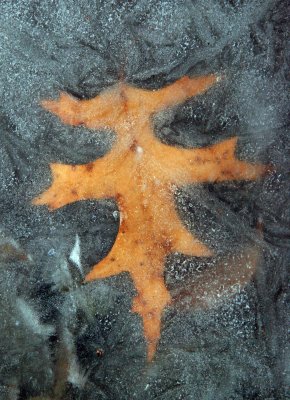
(64, 340)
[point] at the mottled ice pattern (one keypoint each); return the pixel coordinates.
(61, 339)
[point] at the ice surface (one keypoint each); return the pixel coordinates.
(62, 339)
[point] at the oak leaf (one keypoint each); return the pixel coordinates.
(142, 174)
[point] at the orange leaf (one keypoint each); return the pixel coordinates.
(142, 174)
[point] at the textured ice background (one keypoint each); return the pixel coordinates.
(50, 324)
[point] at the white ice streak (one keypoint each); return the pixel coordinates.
(75, 255)
(75, 375)
(31, 319)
